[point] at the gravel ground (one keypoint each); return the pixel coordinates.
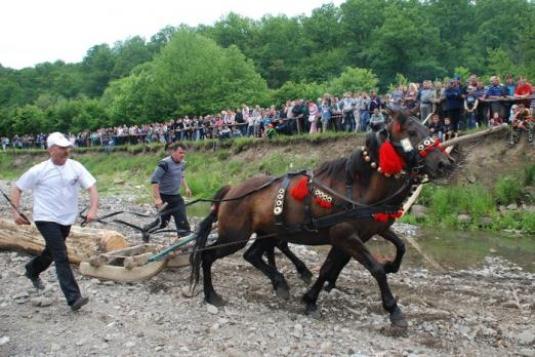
(488, 311)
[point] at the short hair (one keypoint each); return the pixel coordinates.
(174, 146)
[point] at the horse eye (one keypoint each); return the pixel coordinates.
(412, 132)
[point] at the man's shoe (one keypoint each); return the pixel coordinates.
(36, 281)
(81, 301)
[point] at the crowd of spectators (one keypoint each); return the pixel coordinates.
(446, 107)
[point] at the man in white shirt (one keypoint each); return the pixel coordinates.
(55, 184)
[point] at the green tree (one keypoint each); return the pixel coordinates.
(129, 54)
(291, 90)
(353, 80)
(97, 67)
(191, 75)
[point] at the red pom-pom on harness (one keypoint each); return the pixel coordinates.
(323, 203)
(384, 217)
(389, 160)
(300, 190)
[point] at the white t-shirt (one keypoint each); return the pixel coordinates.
(55, 190)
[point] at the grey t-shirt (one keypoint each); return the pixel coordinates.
(168, 174)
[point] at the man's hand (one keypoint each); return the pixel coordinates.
(19, 219)
(91, 215)
(188, 192)
(158, 204)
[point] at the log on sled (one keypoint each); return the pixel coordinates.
(138, 262)
(82, 243)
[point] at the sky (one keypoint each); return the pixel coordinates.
(36, 31)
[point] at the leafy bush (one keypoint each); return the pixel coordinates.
(507, 190)
(529, 175)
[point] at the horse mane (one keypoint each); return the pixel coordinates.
(345, 168)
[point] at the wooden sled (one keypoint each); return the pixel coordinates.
(135, 263)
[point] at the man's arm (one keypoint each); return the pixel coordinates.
(15, 199)
(93, 203)
(186, 187)
(156, 195)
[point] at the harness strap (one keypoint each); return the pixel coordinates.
(280, 199)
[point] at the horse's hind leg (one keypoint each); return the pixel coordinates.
(393, 266)
(304, 273)
(209, 256)
(329, 266)
(302, 270)
(254, 256)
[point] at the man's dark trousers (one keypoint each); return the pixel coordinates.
(55, 251)
(177, 208)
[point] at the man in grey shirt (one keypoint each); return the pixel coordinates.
(166, 181)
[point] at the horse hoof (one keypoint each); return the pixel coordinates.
(389, 268)
(397, 319)
(282, 292)
(313, 312)
(306, 276)
(215, 300)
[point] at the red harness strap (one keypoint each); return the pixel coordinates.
(433, 144)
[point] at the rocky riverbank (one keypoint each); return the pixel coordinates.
(487, 311)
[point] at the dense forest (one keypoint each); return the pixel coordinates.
(359, 45)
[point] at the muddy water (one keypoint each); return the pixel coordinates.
(462, 250)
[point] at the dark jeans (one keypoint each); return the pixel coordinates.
(175, 203)
(55, 251)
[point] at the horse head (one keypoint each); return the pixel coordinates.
(413, 141)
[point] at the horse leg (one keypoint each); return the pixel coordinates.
(351, 244)
(269, 252)
(208, 258)
(311, 296)
(393, 266)
(254, 256)
(339, 263)
(304, 273)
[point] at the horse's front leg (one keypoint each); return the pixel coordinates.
(393, 266)
(352, 245)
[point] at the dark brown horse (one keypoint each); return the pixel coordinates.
(366, 198)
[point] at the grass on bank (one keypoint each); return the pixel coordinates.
(446, 203)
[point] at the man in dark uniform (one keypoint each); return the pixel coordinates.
(166, 181)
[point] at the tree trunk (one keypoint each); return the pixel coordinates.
(82, 243)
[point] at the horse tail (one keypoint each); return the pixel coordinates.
(205, 227)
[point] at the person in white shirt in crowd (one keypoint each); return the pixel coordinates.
(55, 184)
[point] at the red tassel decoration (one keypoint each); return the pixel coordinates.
(300, 190)
(323, 203)
(381, 217)
(384, 217)
(389, 160)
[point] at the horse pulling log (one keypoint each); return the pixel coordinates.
(342, 203)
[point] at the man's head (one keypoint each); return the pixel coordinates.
(494, 80)
(177, 151)
(59, 148)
